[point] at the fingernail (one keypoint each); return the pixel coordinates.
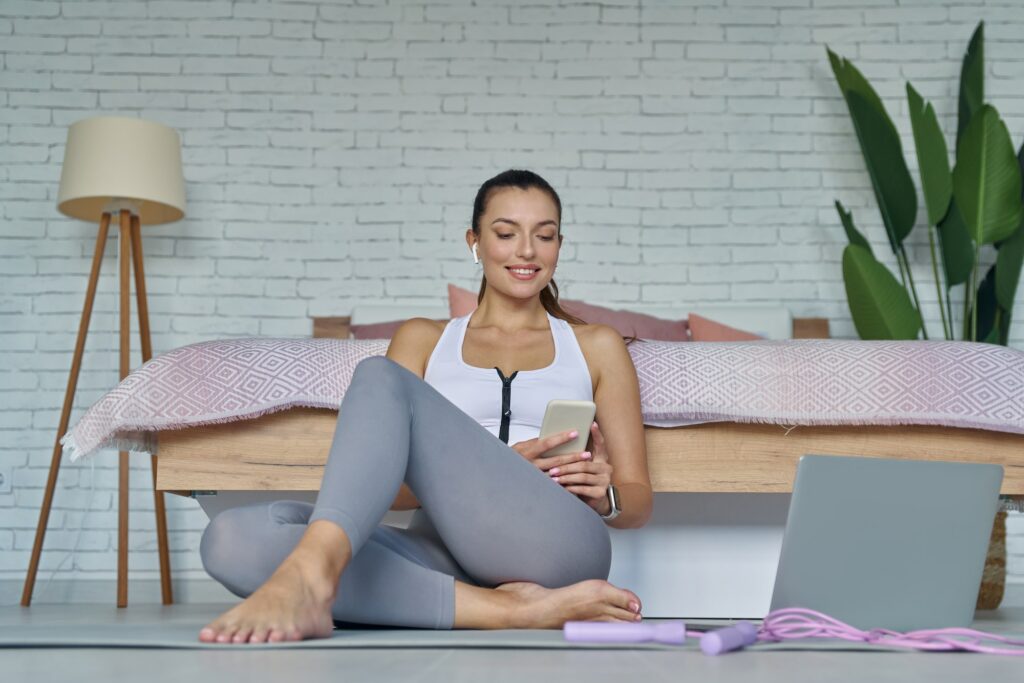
(553, 471)
(586, 454)
(637, 617)
(635, 607)
(573, 434)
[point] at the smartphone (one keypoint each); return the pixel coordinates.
(563, 415)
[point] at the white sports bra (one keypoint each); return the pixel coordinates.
(511, 408)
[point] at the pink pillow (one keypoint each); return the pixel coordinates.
(378, 330)
(704, 330)
(460, 301)
(463, 302)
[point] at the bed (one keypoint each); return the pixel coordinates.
(721, 488)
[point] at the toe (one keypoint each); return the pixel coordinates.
(619, 615)
(242, 636)
(259, 635)
(625, 599)
(207, 635)
(226, 634)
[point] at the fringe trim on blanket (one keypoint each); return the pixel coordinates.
(143, 439)
(136, 442)
(791, 422)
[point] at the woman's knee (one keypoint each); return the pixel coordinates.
(224, 539)
(211, 545)
(379, 372)
(376, 365)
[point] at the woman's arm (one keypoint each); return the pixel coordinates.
(617, 395)
(410, 347)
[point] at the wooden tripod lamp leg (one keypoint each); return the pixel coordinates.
(124, 244)
(69, 397)
(147, 353)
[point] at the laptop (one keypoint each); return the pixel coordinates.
(883, 543)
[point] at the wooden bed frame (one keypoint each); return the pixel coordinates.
(286, 451)
(715, 555)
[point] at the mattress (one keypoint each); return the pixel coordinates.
(787, 382)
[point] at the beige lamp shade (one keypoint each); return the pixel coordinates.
(111, 158)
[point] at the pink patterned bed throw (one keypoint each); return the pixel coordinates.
(792, 382)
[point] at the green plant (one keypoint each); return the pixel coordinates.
(977, 203)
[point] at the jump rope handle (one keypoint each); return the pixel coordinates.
(670, 633)
(717, 642)
(728, 639)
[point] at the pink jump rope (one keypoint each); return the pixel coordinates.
(793, 623)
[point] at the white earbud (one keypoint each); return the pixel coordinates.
(476, 259)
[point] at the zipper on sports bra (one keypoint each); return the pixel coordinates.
(506, 403)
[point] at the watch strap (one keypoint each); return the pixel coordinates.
(613, 499)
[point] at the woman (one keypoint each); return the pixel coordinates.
(504, 538)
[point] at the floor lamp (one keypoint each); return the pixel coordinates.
(127, 170)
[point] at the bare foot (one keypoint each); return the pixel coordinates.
(593, 600)
(293, 604)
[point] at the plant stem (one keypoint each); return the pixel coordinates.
(946, 330)
(967, 308)
(974, 295)
(899, 263)
(949, 310)
(913, 289)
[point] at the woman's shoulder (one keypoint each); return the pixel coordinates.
(597, 336)
(603, 349)
(599, 343)
(414, 341)
(424, 330)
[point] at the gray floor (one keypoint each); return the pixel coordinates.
(450, 664)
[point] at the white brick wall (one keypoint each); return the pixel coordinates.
(330, 147)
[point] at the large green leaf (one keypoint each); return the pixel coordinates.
(986, 179)
(1005, 318)
(987, 308)
(852, 80)
(932, 156)
(972, 80)
(956, 246)
(880, 306)
(1010, 257)
(1008, 262)
(890, 178)
(852, 233)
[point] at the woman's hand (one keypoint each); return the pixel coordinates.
(532, 449)
(585, 474)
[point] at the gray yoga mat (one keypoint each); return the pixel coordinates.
(184, 636)
(177, 627)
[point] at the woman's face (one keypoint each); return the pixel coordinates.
(518, 241)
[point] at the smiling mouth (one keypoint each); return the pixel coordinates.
(523, 273)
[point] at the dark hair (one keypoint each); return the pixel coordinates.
(524, 180)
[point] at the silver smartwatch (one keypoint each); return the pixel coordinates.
(613, 498)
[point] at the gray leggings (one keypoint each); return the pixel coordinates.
(488, 515)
